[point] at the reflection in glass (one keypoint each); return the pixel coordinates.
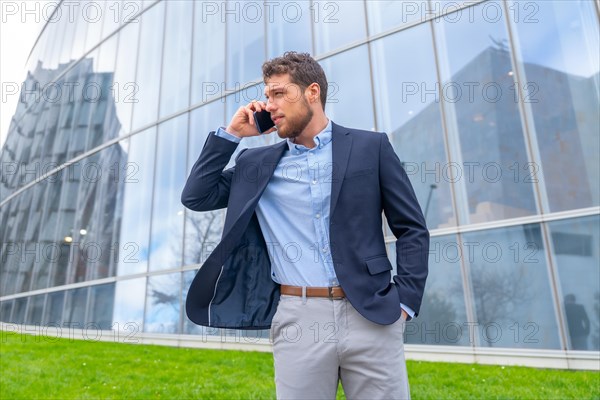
(245, 47)
(126, 88)
(101, 305)
(208, 70)
(149, 63)
(484, 124)
(64, 217)
(442, 319)
(163, 304)
(128, 309)
(345, 91)
(19, 309)
(166, 239)
(137, 202)
(202, 229)
(54, 309)
(288, 27)
(5, 310)
(189, 327)
(94, 13)
(563, 85)
(575, 251)
(96, 227)
(175, 82)
(407, 107)
(511, 288)
(35, 309)
(337, 24)
(75, 305)
(388, 14)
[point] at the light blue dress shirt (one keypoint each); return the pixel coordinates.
(293, 214)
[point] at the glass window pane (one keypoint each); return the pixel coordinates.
(166, 241)
(348, 82)
(245, 44)
(442, 319)
(208, 72)
(483, 119)
(54, 309)
(563, 80)
(78, 47)
(20, 307)
(163, 304)
(74, 314)
(145, 110)
(112, 16)
(65, 232)
(288, 27)
(6, 309)
(96, 226)
(189, 328)
(34, 312)
(70, 23)
(93, 13)
(202, 229)
(128, 311)
(388, 14)
(105, 62)
(124, 79)
(44, 223)
(511, 288)
(175, 84)
(101, 306)
(137, 202)
(337, 23)
(575, 251)
(406, 107)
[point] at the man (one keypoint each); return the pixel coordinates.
(302, 250)
(578, 323)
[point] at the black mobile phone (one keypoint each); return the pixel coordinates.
(263, 121)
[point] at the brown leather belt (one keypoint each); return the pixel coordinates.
(335, 292)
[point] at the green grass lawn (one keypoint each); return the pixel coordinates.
(49, 368)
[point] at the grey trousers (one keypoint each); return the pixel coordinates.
(318, 341)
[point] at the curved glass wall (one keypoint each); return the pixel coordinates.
(497, 132)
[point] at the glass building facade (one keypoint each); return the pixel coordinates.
(492, 107)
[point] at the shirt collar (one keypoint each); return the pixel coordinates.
(321, 140)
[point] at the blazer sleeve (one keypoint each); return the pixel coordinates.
(207, 187)
(407, 223)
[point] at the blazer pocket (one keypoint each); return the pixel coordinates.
(378, 265)
(360, 172)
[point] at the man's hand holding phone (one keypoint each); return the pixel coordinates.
(244, 122)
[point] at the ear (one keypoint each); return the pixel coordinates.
(314, 91)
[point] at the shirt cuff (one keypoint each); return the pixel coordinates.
(221, 132)
(408, 310)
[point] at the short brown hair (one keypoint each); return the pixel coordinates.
(302, 68)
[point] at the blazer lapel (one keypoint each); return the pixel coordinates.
(266, 160)
(342, 143)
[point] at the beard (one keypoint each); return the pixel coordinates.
(295, 125)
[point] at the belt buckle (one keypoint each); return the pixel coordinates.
(331, 296)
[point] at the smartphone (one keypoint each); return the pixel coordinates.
(263, 121)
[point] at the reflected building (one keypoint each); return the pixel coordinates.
(498, 134)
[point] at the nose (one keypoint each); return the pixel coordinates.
(270, 106)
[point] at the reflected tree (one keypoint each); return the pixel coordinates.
(498, 293)
(203, 232)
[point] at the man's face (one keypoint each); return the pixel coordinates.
(288, 106)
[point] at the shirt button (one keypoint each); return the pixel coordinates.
(314, 182)
(318, 216)
(325, 249)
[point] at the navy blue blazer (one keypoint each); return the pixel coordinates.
(234, 289)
